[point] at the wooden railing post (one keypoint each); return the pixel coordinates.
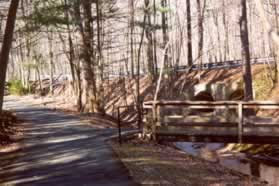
(119, 126)
(140, 116)
(240, 122)
(154, 120)
(158, 114)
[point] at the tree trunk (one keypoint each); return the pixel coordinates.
(271, 32)
(189, 33)
(37, 68)
(75, 71)
(100, 98)
(247, 75)
(165, 31)
(200, 11)
(216, 23)
(155, 38)
(71, 47)
(226, 28)
(132, 27)
(148, 34)
(138, 101)
(27, 39)
(6, 46)
(89, 84)
(51, 62)
(276, 47)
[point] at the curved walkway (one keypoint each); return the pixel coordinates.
(60, 149)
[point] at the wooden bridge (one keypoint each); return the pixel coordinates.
(202, 121)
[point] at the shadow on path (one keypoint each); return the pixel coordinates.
(60, 149)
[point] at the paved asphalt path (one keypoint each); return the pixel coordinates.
(59, 149)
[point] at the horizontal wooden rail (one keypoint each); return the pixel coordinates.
(212, 104)
(240, 106)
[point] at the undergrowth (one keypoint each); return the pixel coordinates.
(263, 85)
(15, 87)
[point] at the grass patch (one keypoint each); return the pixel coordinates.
(15, 87)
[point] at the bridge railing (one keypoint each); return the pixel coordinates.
(240, 106)
(224, 64)
(134, 121)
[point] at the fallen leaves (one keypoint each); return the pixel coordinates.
(10, 127)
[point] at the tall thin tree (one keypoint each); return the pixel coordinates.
(165, 30)
(245, 51)
(6, 47)
(189, 33)
(132, 30)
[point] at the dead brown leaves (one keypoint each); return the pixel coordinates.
(9, 127)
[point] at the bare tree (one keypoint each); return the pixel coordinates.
(270, 30)
(100, 66)
(201, 11)
(148, 34)
(226, 28)
(132, 30)
(189, 33)
(6, 46)
(86, 32)
(51, 60)
(247, 74)
(165, 30)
